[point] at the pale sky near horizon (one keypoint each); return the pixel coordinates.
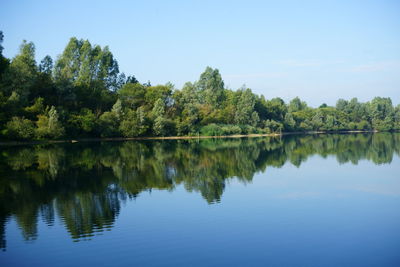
(317, 50)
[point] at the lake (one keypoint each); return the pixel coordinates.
(296, 200)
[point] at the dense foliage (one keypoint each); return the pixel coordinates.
(83, 94)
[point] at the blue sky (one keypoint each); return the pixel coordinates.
(317, 50)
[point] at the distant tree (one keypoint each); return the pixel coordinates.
(130, 126)
(148, 84)
(132, 95)
(324, 105)
(84, 123)
(132, 79)
(134, 123)
(381, 108)
(289, 122)
(272, 126)
(21, 74)
(49, 126)
(255, 119)
(297, 105)
(341, 105)
(46, 65)
(276, 109)
(211, 87)
(245, 106)
(159, 120)
(86, 75)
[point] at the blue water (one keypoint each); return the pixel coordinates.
(321, 213)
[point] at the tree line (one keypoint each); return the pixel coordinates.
(83, 94)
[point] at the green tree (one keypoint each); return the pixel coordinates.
(245, 106)
(83, 123)
(211, 87)
(297, 105)
(86, 75)
(46, 65)
(159, 120)
(132, 95)
(276, 109)
(49, 126)
(134, 123)
(21, 75)
(110, 120)
(289, 122)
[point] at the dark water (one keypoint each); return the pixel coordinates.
(327, 200)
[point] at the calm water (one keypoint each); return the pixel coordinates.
(327, 200)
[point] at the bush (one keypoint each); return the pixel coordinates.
(83, 123)
(231, 129)
(109, 124)
(305, 126)
(352, 126)
(272, 126)
(130, 127)
(20, 128)
(247, 129)
(363, 125)
(48, 126)
(211, 130)
(224, 129)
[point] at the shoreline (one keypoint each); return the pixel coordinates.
(111, 139)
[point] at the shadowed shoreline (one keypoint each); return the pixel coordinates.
(37, 142)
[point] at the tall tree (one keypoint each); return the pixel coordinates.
(21, 75)
(87, 75)
(212, 87)
(159, 120)
(46, 65)
(245, 107)
(297, 105)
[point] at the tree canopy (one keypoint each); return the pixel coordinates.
(82, 93)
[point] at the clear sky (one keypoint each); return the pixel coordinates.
(317, 50)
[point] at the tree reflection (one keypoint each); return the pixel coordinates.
(85, 183)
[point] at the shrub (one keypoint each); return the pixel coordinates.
(109, 124)
(352, 126)
(20, 128)
(231, 129)
(247, 129)
(48, 126)
(363, 125)
(272, 126)
(211, 130)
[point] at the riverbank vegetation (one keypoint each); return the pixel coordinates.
(83, 94)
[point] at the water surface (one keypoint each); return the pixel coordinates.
(312, 200)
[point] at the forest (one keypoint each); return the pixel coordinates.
(83, 94)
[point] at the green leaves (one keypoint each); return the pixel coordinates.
(245, 107)
(211, 87)
(83, 95)
(20, 128)
(49, 126)
(21, 74)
